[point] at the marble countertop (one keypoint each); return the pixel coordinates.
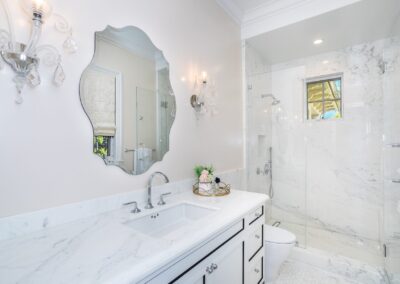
(103, 249)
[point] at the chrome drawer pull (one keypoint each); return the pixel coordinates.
(210, 269)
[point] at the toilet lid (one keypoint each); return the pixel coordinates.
(278, 235)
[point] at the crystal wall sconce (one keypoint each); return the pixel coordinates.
(203, 99)
(23, 58)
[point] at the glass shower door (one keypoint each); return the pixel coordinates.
(391, 202)
(146, 125)
(273, 140)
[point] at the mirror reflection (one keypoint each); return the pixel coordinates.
(127, 95)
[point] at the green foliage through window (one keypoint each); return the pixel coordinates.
(101, 146)
(324, 98)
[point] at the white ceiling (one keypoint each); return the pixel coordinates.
(364, 21)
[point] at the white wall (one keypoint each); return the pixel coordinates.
(46, 143)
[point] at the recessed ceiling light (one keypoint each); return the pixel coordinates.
(318, 41)
(325, 62)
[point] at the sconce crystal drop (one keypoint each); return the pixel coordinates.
(24, 58)
(59, 76)
(34, 77)
(70, 45)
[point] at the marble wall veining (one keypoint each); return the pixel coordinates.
(330, 177)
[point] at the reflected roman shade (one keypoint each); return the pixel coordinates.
(98, 93)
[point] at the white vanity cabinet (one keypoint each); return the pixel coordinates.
(223, 266)
(235, 256)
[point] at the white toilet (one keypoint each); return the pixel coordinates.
(278, 244)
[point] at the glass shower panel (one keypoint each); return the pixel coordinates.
(343, 175)
(274, 133)
(288, 144)
(391, 188)
(146, 129)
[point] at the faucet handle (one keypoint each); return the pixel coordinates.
(135, 208)
(162, 202)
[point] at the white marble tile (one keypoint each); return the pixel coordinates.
(329, 175)
(103, 249)
(341, 266)
(14, 226)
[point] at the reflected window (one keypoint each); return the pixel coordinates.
(102, 146)
(324, 98)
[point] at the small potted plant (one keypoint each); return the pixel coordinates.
(205, 176)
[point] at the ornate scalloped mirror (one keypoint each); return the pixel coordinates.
(127, 95)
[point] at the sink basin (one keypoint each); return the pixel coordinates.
(170, 223)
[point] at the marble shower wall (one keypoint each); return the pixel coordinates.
(329, 175)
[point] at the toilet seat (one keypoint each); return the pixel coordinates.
(278, 236)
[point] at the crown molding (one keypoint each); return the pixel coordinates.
(273, 14)
(232, 10)
(272, 8)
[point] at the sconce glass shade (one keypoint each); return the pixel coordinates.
(40, 7)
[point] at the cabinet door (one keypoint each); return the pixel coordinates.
(224, 266)
(195, 267)
(227, 267)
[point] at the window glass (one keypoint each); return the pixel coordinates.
(324, 98)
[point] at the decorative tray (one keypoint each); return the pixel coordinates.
(221, 189)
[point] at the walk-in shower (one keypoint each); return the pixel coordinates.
(334, 176)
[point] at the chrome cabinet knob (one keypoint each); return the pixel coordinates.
(210, 269)
(256, 270)
(257, 236)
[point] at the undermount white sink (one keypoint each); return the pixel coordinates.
(169, 223)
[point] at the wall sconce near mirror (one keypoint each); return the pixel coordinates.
(24, 58)
(203, 100)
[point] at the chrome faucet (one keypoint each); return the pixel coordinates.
(149, 185)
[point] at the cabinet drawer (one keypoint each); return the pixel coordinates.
(255, 272)
(255, 215)
(196, 262)
(255, 241)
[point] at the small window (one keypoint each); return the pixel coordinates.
(324, 98)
